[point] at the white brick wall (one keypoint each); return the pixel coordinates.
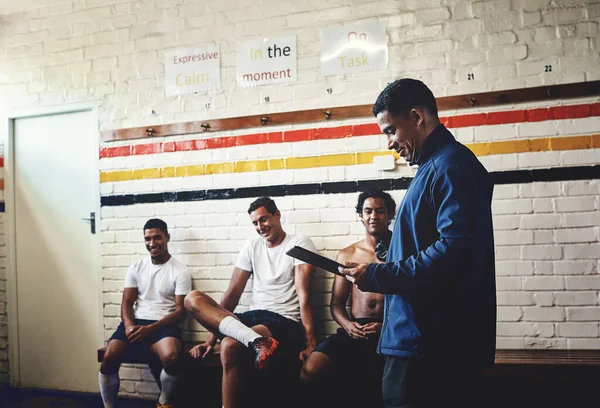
(547, 234)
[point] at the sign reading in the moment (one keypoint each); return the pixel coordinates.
(192, 70)
(353, 48)
(266, 61)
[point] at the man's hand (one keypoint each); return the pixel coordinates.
(129, 330)
(372, 329)
(306, 352)
(354, 272)
(203, 349)
(139, 333)
(356, 331)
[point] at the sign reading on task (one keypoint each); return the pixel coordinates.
(192, 70)
(266, 61)
(354, 47)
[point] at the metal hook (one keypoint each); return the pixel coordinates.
(264, 120)
(549, 92)
(472, 101)
(150, 132)
(205, 126)
(327, 115)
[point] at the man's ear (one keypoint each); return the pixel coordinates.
(168, 236)
(417, 116)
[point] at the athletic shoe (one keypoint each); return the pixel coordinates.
(264, 349)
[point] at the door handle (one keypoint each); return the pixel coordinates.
(92, 221)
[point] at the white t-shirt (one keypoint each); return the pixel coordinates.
(157, 286)
(273, 274)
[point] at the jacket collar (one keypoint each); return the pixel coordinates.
(438, 137)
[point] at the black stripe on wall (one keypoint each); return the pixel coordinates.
(499, 177)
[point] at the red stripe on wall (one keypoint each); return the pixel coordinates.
(367, 129)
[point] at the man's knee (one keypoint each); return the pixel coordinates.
(192, 300)
(309, 371)
(231, 352)
(315, 367)
(170, 359)
(111, 361)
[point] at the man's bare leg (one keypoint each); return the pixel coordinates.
(168, 349)
(206, 311)
(316, 366)
(109, 372)
(236, 366)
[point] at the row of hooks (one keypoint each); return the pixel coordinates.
(205, 126)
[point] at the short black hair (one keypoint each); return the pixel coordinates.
(404, 94)
(266, 202)
(390, 204)
(156, 223)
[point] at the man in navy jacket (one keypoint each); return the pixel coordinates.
(439, 329)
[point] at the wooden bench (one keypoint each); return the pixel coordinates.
(544, 363)
(505, 358)
(519, 378)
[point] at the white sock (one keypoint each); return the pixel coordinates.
(235, 329)
(109, 389)
(167, 384)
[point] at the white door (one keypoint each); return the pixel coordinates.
(57, 256)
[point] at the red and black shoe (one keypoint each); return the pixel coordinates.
(264, 348)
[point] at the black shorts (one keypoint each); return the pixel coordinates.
(347, 352)
(289, 333)
(141, 351)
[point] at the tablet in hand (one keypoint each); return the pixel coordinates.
(315, 259)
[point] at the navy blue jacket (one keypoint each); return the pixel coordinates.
(439, 281)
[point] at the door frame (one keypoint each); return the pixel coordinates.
(7, 135)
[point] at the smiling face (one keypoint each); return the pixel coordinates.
(375, 217)
(266, 224)
(156, 243)
(404, 132)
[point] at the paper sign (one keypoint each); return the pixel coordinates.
(356, 47)
(266, 61)
(192, 70)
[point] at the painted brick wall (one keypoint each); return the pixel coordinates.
(111, 50)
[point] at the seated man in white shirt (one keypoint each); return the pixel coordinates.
(151, 310)
(280, 317)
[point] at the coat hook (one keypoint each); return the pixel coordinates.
(549, 92)
(264, 120)
(150, 132)
(205, 126)
(472, 101)
(327, 115)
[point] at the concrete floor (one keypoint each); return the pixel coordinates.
(19, 398)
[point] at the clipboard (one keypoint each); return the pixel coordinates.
(315, 259)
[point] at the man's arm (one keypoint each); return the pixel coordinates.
(459, 196)
(175, 317)
(302, 280)
(340, 292)
(232, 295)
(127, 314)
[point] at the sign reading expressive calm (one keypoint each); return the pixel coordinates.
(192, 70)
(355, 47)
(267, 61)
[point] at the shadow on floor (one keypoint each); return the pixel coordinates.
(20, 398)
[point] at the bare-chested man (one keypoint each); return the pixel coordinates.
(354, 345)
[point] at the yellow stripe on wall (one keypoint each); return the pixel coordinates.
(545, 144)
(346, 159)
